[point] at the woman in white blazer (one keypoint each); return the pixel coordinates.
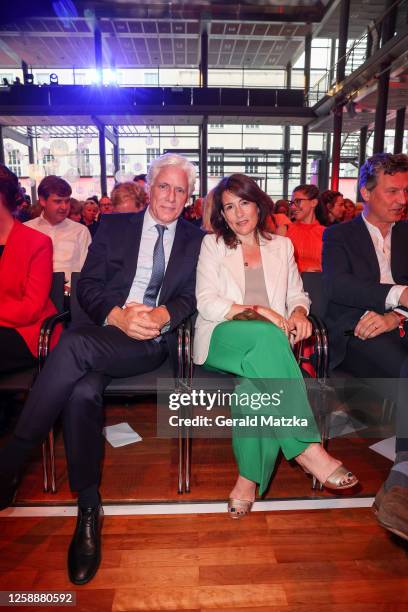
(244, 271)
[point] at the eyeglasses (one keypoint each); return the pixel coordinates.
(298, 201)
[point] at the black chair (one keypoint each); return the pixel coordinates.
(143, 384)
(22, 380)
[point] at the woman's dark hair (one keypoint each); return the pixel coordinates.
(328, 199)
(247, 189)
(10, 190)
(312, 192)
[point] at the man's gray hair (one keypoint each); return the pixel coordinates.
(172, 159)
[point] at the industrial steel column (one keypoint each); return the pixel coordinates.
(387, 32)
(286, 141)
(338, 110)
(204, 59)
(362, 156)
(116, 160)
(31, 160)
(203, 156)
(102, 159)
(305, 129)
(204, 124)
(98, 52)
(2, 158)
(399, 130)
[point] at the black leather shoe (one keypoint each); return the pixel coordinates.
(8, 489)
(84, 554)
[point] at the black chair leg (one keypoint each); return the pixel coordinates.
(45, 466)
(187, 442)
(180, 461)
(52, 461)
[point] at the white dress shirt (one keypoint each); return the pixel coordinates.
(70, 242)
(145, 257)
(382, 246)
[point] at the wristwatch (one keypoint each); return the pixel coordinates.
(165, 328)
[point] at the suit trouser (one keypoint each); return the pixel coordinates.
(72, 384)
(384, 357)
(260, 352)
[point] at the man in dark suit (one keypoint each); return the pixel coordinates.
(365, 270)
(137, 285)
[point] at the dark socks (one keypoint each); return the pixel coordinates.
(89, 497)
(15, 454)
(398, 476)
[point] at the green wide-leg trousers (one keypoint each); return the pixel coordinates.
(260, 353)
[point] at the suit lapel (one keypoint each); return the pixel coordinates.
(362, 238)
(174, 266)
(132, 245)
(399, 268)
(234, 261)
(272, 264)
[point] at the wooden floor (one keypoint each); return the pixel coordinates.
(331, 560)
(328, 560)
(147, 471)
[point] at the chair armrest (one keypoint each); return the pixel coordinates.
(319, 335)
(46, 331)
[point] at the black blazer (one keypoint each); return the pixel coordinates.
(351, 277)
(110, 267)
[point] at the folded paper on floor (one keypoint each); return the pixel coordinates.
(121, 434)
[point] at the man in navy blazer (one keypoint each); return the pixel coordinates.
(136, 286)
(365, 270)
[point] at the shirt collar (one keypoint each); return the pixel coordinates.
(149, 222)
(43, 221)
(374, 228)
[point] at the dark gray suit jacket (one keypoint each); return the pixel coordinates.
(351, 277)
(110, 267)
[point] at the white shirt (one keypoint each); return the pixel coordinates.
(145, 257)
(70, 242)
(382, 248)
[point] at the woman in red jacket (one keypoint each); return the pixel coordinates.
(25, 281)
(306, 231)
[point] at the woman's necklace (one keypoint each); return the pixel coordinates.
(247, 255)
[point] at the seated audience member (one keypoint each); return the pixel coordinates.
(25, 281)
(23, 212)
(75, 210)
(93, 198)
(196, 215)
(141, 180)
(90, 212)
(243, 270)
(282, 208)
(333, 206)
(70, 240)
(365, 268)
(105, 205)
(349, 210)
(277, 222)
(306, 233)
(139, 278)
(128, 197)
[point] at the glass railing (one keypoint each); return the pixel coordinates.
(359, 51)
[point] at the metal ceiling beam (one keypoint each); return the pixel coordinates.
(394, 50)
(17, 136)
(108, 134)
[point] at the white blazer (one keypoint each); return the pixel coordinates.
(221, 283)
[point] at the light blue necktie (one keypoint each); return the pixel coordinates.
(159, 264)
